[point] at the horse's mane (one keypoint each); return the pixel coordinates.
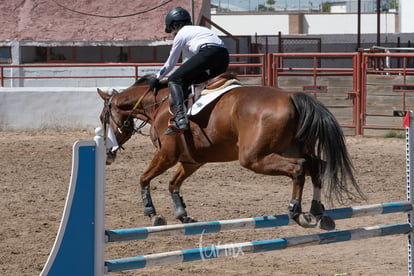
(146, 78)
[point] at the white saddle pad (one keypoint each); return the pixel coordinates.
(204, 100)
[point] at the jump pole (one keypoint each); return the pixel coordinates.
(238, 249)
(201, 228)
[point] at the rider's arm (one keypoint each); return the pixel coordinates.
(172, 60)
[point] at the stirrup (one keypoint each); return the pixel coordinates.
(180, 118)
(172, 128)
(182, 124)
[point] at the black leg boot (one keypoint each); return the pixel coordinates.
(180, 115)
(180, 212)
(149, 209)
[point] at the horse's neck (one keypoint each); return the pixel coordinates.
(152, 103)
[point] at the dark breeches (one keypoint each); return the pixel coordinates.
(208, 63)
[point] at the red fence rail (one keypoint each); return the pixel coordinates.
(351, 88)
(246, 65)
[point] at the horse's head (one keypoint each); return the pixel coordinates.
(120, 110)
(117, 118)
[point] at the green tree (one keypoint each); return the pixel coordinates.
(391, 4)
(326, 7)
(269, 6)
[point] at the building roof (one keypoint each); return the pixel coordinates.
(60, 20)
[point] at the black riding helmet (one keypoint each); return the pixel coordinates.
(176, 15)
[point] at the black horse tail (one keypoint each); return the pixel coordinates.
(322, 138)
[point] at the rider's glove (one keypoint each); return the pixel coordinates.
(154, 84)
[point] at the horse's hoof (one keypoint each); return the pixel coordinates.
(188, 220)
(180, 213)
(307, 220)
(327, 223)
(158, 220)
(110, 157)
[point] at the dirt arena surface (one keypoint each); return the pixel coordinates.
(35, 171)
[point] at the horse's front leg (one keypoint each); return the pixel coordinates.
(149, 208)
(183, 171)
(157, 166)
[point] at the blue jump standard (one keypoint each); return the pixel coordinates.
(76, 237)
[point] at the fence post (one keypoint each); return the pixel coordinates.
(269, 70)
(359, 93)
(1, 76)
(410, 186)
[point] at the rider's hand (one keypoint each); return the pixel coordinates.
(154, 84)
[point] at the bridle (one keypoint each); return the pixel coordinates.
(108, 116)
(126, 124)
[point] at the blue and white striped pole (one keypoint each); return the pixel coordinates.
(247, 223)
(236, 249)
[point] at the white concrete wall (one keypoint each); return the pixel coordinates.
(53, 107)
(338, 8)
(406, 16)
(347, 23)
(250, 24)
(314, 23)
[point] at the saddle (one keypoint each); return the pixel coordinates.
(212, 85)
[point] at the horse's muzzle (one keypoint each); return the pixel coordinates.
(110, 157)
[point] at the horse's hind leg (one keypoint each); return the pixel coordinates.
(295, 205)
(317, 209)
(275, 164)
(304, 219)
(183, 171)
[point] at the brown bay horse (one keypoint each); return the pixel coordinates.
(270, 131)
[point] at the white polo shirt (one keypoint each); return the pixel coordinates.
(188, 42)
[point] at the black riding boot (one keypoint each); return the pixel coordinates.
(180, 116)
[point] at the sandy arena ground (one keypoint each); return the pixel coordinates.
(35, 171)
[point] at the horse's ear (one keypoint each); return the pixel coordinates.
(103, 95)
(114, 91)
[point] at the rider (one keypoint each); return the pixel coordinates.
(204, 55)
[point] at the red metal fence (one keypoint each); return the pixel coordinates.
(246, 65)
(364, 90)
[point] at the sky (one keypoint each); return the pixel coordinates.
(252, 4)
